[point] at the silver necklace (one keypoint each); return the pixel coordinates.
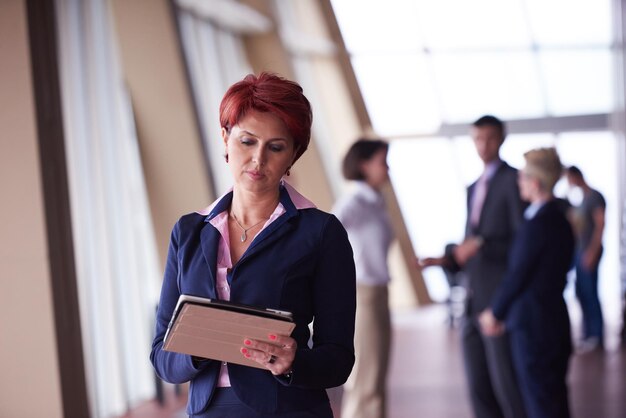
(244, 235)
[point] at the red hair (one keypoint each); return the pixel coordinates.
(268, 92)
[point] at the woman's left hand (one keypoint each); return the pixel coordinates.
(489, 324)
(277, 356)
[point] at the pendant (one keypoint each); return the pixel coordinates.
(244, 237)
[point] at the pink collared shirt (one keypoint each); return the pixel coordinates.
(224, 261)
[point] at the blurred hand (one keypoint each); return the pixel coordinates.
(589, 259)
(277, 356)
(489, 324)
(430, 261)
(467, 249)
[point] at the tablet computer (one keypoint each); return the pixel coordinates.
(215, 329)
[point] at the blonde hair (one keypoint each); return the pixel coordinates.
(545, 165)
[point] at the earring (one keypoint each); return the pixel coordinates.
(226, 157)
(288, 171)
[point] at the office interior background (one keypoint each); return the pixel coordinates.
(109, 132)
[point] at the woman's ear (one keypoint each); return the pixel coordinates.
(225, 133)
(364, 169)
(225, 139)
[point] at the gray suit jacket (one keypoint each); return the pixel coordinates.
(501, 215)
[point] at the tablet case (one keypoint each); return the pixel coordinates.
(216, 329)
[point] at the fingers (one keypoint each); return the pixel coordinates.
(489, 324)
(277, 356)
(430, 261)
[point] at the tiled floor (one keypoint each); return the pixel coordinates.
(426, 377)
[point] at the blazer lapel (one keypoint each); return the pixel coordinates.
(210, 239)
(275, 231)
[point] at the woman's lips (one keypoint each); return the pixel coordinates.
(255, 175)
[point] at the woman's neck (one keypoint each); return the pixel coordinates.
(249, 207)
(375, 187)
(542, 197)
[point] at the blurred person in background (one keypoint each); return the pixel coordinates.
(529, 302)
(495, 212)
(363, 213)
(588, 221)
(266, 245)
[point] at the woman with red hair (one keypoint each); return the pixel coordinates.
(266, 245)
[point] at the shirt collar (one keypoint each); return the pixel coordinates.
(491, 168)
(289, 196)
(534, 207)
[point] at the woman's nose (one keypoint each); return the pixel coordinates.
(259, 156)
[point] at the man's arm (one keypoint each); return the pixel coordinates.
(591, 257)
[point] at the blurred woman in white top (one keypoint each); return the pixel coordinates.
(363, 214)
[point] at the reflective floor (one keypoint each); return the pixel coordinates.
(426, 377)
(427, 371)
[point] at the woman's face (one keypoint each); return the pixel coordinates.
(260, 151)
(376, 170)
(527, 185)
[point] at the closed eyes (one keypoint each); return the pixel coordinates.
(274, 147)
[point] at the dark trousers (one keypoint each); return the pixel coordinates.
(587, 294)
(489, 369)
(541, 373)
(225, 404)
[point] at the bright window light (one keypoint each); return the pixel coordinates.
(515, 146)
(518, 59)
(570, 22)
(472, 84)
(473, 24)
(578, 82)
(374, 25)
(398, 93)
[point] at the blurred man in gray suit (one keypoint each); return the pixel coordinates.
(495, 211)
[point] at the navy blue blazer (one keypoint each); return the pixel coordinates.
(530, 297)
(302, 263)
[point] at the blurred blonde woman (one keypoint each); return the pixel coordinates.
(529, 302)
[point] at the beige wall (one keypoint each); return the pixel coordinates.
(30, 384)
(267, 53)
(176, 175)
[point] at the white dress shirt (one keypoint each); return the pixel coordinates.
(364, 215)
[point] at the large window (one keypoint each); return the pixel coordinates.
(116, 262)
(421, 64)
(427, 69)
(215, 57)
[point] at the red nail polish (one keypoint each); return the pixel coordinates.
(272, 337)
(243, 350)
(247, 355)
(247, 342)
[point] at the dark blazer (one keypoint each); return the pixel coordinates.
(530, 301)
(531, 294)
(302, 262)
(501, 215)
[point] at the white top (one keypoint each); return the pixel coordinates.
(533, 208)
(365, 217)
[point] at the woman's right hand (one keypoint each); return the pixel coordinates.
(277, 356)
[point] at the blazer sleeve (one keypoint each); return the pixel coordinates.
(329, 362)
(523, 260)
(169, 366)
